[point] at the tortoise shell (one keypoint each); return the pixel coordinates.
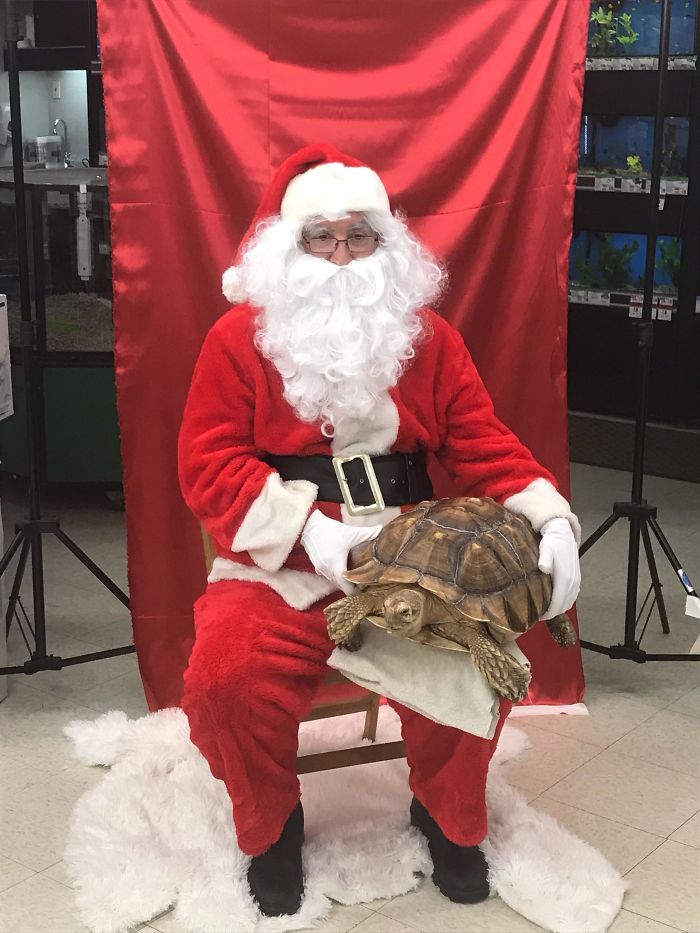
(472, 553)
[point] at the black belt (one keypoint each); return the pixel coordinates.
(399, 479)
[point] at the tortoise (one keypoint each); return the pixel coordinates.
(462, 568)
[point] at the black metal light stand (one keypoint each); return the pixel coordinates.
(641, 515)
(29, 534)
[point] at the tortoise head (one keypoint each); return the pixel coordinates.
(404, 612)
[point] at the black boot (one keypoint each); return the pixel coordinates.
(275, 877)
(460, 872)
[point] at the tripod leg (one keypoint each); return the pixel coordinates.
(632, 581)
(16, 585)
(672, 559)
(655, 582)
(10, 552)
(597, 534)
(92, 567)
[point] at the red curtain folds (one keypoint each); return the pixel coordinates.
(470, 113)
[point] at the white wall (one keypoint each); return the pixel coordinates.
(72, 107)
(39, 110)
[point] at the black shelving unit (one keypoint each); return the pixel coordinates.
(85, 448)
(602, 344)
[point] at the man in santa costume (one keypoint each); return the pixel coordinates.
(333, 352)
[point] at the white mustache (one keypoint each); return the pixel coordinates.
(360, 282)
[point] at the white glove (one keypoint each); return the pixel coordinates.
(328, 543)
(559, 557)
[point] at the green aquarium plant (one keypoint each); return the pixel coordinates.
(625, 34)
(670, 260)
(611, 269)
(634, 164)
(611, 32)
(586, 274)
(603, 39)
(615, 262)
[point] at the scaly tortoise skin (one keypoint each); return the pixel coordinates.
(465, 569)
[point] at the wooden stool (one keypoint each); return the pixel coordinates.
(337, 696)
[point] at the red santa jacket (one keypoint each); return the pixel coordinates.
(236, 413)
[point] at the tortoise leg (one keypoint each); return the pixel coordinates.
(345, 615)
(562, 631)
(507, 677)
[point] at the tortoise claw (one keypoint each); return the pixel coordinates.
(353, 642)
(506, 675)
(562, 631)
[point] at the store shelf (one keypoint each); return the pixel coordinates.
(626, 212)
(641, 63)
(66, 58)
(603, 364)
(611, 223)
(628, 184)
(610, 93)
(663, 308)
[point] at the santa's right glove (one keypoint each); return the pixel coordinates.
(559, 557)
(328, 543)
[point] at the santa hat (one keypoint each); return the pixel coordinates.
(314, 180)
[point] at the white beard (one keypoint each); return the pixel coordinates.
(340, 336)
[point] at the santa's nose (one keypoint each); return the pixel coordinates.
(341, 256)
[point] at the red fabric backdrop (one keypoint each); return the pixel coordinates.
(470, 113)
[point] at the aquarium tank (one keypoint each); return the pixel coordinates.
(615, 262)
(75, 300)
(621, 28)
(623, 145)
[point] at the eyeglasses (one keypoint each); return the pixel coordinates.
(359, 244)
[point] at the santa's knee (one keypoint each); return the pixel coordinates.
(243, 696)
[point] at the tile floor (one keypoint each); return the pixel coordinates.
(626, 778)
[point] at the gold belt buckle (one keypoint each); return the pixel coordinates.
(353, 509)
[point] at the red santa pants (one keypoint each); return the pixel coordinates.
(255, 667)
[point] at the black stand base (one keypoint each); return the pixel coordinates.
(642, 517)
(28, 540)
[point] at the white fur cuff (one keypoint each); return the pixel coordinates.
(274, 521)
(298, 589)
(539, 502)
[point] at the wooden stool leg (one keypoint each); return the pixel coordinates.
(371, 717)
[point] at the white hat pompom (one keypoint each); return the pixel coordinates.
(232, 285)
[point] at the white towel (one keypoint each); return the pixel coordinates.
(441, 684)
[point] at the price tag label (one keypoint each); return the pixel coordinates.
(599, 298)
(665, 314)
(632, 185)
(605, 183)
(674, 186)
(637, 306)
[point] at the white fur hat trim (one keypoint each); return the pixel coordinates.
(336, 188)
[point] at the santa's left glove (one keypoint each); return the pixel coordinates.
(559, 557)
(328, 543)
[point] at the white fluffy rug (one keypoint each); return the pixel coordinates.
(156, 832)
